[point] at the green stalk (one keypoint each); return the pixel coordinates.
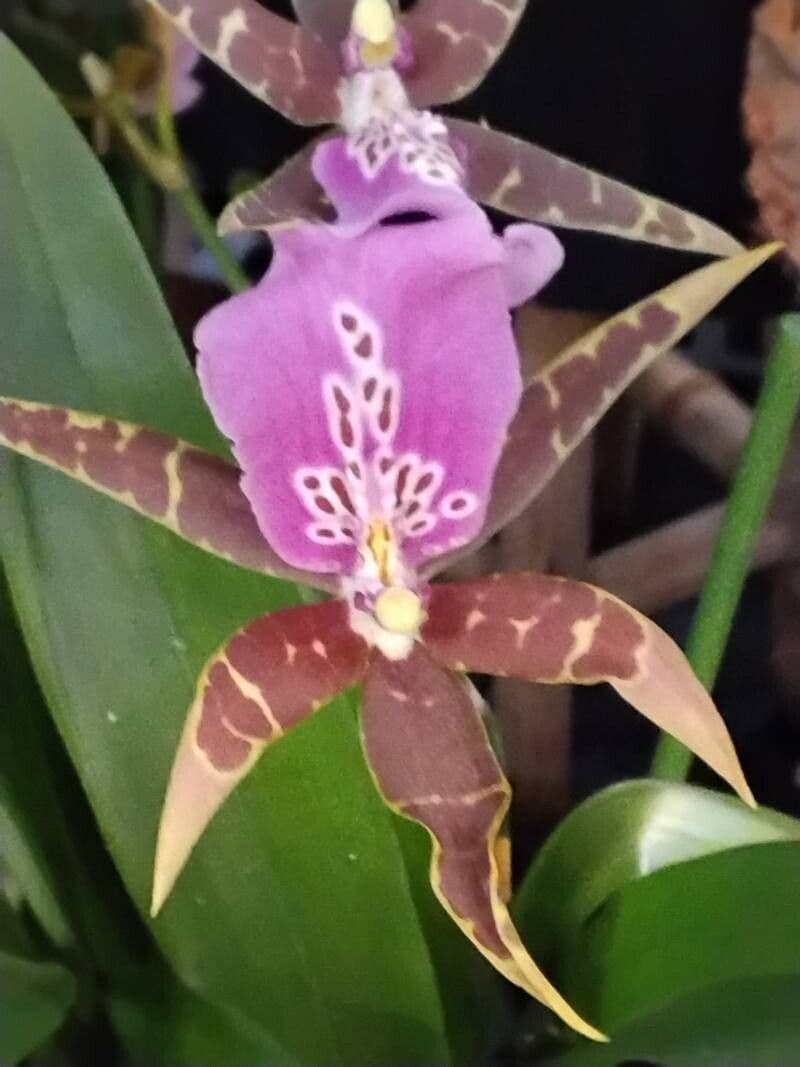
(164, 161)
(194, 208)
(756, 475)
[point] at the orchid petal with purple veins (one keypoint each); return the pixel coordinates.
(400, 165)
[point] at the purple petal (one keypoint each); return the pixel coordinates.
(534, 255)
(186, 90)
(369, 377)
(394, 166)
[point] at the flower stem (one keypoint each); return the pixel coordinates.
(756, 475)
(163, 161)
(193, 207)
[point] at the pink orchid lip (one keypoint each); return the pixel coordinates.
(371, 376)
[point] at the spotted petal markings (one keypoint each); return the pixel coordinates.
(191, 492)
(281, 63)
(530, 182)
(566, 400)
(266, 679)
(456, 43)
(432, 762)
(552, 630)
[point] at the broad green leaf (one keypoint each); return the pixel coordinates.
(626, 832)
(23, 776)
(158, 1021)
(296, 910)
(59, 865)
(49, 839)
(698, 965)
(669, 913)
(36, 995)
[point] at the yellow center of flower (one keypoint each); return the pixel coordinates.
(382, 545)
(399, 610)
(373, 21)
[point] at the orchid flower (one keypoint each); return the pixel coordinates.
(346, 57)
(371, 388)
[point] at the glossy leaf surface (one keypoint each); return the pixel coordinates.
(669, 910)
(278, 61)
(530, 182)
(297, 911)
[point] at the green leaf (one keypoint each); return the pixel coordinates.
(49, 839)
(36, 995)
(622, 833)
(668, 913)
(26, 832)
(159, 1021)
(297, 910)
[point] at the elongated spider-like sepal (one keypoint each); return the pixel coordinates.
(432, 762)
(552, 630)
(266, 679)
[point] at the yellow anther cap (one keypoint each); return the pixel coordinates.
(373, 20)
(399, 610)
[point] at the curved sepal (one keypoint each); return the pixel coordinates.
(266, 679)
(551, 630)
(280, 62)
(566, 400)
(432, 762)
(290, 195)
(456, 43)
(191, 492)
(531, 183)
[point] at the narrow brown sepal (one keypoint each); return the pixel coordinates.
(278, 61)
(432, 762)
(191, 492)
(566, 400)
(530, 182)
(266, 679)
(456, 44)
(551, 630)
(290, 195)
